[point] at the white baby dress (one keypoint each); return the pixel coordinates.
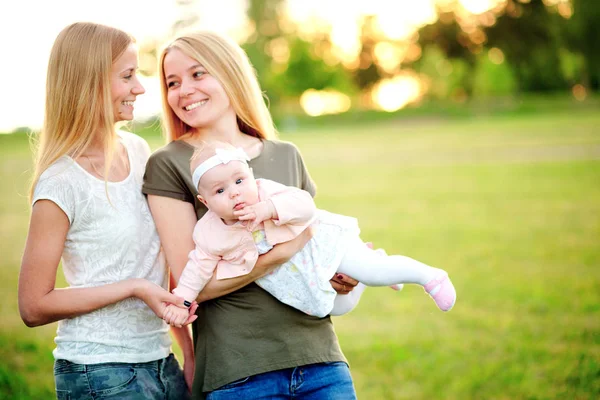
(303, 281)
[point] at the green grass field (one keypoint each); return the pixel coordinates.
(509, 205)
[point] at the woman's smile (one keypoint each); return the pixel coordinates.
(195, 105)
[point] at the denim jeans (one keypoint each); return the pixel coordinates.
(160, 379)
(325, 381)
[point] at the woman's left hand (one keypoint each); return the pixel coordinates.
(343, 284)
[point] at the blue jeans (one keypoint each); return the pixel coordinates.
(160, 379)
(325, 381)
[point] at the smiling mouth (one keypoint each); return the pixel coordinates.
(127, 103)
(195, 105)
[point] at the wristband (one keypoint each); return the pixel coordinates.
(187, 303)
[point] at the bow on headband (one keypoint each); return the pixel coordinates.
(222, 156)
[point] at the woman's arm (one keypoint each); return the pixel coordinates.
(183, 336)
(41, 303)
(265, 264)
(175, 221)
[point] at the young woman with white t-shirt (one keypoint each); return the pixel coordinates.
(89, 210)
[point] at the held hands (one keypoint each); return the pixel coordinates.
(256, 213)
(179, 316)
(158, 298)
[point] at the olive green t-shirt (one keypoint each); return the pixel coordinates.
(246, 332)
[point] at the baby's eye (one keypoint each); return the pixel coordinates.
(219, 191)
(238, 181)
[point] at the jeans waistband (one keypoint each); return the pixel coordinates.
(64, 366)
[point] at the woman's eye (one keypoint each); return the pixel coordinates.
(128, 77)
(198, 74)
(238, 181)
(171, 84)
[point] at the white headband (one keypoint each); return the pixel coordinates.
(222, 156)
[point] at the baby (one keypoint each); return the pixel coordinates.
(246, 217)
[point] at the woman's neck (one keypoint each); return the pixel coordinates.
(229, 133)
(96, 146)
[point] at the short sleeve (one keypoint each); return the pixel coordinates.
(307, 183)
(164, 178)
(56, 187)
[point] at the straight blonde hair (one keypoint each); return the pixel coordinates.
(229, 64)
(78, 95)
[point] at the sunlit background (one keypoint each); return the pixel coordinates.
(320, 56)
(462, 133)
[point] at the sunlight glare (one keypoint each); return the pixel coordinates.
(400, 19)
(478, 6)
(27, 56)
(496, 55)
(320, 102)
(393, 94)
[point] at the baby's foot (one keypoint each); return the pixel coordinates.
(397, 287)
(442, 292)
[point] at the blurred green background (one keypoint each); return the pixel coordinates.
(470, 141)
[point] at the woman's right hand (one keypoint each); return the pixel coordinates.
(157, 298)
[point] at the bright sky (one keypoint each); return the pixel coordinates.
(28, 30)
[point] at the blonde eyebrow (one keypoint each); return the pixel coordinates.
(189, 69)
(127, 70)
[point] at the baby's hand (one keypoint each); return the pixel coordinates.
(256, 213)
(175, 316)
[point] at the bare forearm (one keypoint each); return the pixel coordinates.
(220, 287)
(183, 337)
(265, 264)
(71, 302)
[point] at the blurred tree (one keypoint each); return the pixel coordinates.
(583, 35)
(539, 45)
(264, 15)
(286, 64)
(447, 35)
(530, 38)
(444, 49)
(492, 76)
(368, 73)
(446, 78)
(305, 70)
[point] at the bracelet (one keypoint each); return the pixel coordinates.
(187, 303)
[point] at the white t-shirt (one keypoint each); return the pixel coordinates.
(108, 242)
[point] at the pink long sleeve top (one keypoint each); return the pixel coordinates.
(230, 249)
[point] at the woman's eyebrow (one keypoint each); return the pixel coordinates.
(189, 69)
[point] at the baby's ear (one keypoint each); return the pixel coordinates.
(201, 199)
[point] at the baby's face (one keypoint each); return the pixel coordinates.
(227, 188)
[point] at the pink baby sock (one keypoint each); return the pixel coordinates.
(442, 292)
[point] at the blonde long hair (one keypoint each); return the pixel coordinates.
(78, 94)
(229, 64)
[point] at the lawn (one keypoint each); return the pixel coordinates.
(509, 205)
